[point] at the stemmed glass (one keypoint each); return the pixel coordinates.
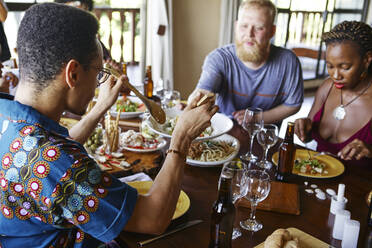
(252, 123)
(267, 137)
(171, 98)
(234, 170)
(256, 187)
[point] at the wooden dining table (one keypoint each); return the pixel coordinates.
(200, 184)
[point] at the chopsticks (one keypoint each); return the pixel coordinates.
(204, 99)
(178, 228)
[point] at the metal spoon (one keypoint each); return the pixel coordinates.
(155, 110)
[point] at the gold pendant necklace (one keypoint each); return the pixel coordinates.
(339, 112)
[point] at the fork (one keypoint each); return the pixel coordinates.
(308, 152)
(324, 153)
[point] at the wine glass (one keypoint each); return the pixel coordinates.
(252, 123)
(234, 170)
(171, 98)
(256, 187)
(267, 137)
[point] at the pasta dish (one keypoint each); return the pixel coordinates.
(211, 150)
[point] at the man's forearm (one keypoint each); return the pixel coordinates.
(162, 197)
(81, 131)
(279, 113)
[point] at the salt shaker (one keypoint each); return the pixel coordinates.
(338, 201)
(338, 227)
(350, 234)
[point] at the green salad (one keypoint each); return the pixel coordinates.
(126, 105)
(309, 166)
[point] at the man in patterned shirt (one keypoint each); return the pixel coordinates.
(52, 194)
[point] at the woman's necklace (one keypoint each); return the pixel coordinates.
(339, 113)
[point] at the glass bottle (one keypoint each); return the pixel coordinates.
(124, 68)
(222, 217)
(287, 153)
(369, 219)
(124, 91)
(148, 84)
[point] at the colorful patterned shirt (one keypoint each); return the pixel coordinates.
(52, 194)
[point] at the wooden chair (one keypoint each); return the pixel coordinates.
(307, 52)
(312, 67)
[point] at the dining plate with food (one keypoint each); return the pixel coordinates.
(183, 203)
(220, 124)
(136, 142)
(308, 165)
(129, 107)
(213, 152)
(292, 238)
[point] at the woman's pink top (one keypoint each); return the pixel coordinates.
(364, 134)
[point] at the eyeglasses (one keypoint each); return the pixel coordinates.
(102, 76)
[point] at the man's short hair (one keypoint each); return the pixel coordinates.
(50, 35)
(262, 4)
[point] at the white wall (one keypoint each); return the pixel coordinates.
(195, 34)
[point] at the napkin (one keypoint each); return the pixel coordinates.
(136, 177)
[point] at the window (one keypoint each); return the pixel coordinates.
(302, 23)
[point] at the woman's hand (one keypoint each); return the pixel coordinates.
(356, 149)
(192, 122)
(302, 128)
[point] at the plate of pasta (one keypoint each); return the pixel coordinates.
(213, 152)
(220, 124)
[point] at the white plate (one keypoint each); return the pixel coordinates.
(128, 115)
(224, 137)
(162, 143)
(220, 123)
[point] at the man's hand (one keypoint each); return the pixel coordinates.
(302, 128)
(11, 78)
(239, 116)
(118, 67)
(273, 115)
(109, 91)
(356, 149)
(4, 85)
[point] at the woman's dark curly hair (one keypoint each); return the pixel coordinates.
(49, 36)
(358, 32)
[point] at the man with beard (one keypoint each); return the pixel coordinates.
(252, 72)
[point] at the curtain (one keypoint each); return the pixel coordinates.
(156, 19)
(229, 13)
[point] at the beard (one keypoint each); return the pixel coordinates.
(255, 54)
